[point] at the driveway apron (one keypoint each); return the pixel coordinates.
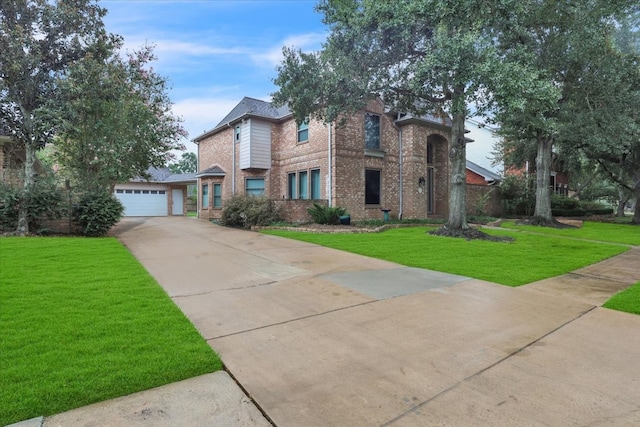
(322, 337)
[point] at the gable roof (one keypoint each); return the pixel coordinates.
(485, 173)
(248, 107)
(212, 171)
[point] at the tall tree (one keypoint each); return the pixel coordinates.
(550, 49)
(418, 56)
(114, 120)
(604, 123)
(39, 39)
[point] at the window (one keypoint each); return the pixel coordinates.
(315, 184)
(371, 131)
(145, 191)
(205, 195)
(120, 191)
(430, 191)
(217, 195)
(238, 128)
(291, 185)
(430, 152)
(371, 187)
(161, 192)
(303, 185)
(303, 131)
(254, 186)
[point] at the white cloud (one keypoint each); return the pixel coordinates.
(202, 114)
(273, 56)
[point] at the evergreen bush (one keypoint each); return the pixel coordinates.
(247, 211)
(97, 213)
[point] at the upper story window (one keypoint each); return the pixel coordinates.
(430, 152)
(303, 131)
(238, 131)
(371, 131)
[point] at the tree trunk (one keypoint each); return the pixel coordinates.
(636, 190)
(542, 212)
(22, 228)
(623, 198)
(458, 161)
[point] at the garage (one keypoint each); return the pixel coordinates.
(143, 201)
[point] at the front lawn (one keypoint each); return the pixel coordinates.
(626, 234)
(530, 257)
(627, 300)
(82, 321)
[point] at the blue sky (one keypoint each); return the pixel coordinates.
(214, 52)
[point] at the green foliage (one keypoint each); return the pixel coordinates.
(187, 164)
(247, 211)
(422, 56)
(628, 300)
(41, 201)
(89, 324)
(40, 39)
(114, 119)
(518, 195)
(97, 213)
(326, 214)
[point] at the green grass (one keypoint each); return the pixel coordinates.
(82, 321)
(605, 232)
(627, 300)
(527, 259)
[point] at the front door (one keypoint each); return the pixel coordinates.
(177, 204)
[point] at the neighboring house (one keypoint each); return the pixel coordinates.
(377, 160)
(163, 194)
(558, 180)
(478, 175)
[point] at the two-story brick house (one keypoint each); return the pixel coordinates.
(376, 160)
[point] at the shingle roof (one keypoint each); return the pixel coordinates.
(212, 171)
(485, 173)
(165, 175)
(250, 107)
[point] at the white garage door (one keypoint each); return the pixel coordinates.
(143, 202)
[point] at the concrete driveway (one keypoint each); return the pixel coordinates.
(320, 337)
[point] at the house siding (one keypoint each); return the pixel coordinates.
(255, 145)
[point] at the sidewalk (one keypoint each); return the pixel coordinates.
(322, 337)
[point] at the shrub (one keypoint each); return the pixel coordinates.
(247, 211)
(518, 195)
(97, 212)
(43, 201)
(326, 214)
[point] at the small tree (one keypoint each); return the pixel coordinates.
(114, 120)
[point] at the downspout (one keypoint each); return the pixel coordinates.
(400, 169)
(233, 159)
(330, 166)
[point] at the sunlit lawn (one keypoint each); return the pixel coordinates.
(530, 257)
(627, 300)
(604, 232)
(82, 321)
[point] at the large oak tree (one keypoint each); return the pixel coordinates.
(419, 56)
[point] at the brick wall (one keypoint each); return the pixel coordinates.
(492, 207)
(296, 210)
